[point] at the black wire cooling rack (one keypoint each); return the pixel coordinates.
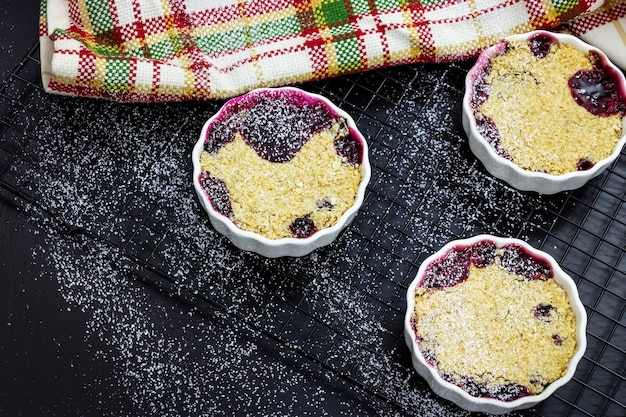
(342, 307)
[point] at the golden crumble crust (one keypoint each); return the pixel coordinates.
(540, 125)
(266, 197)
(487, 328)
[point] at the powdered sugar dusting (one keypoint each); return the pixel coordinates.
(200, 328)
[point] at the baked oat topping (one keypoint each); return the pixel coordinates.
(496, 333)
(549, 107)
(289, 198)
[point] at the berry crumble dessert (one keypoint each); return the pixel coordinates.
(548, 106)
(493, 321)
(280, 164)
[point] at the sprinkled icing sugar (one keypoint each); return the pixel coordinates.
(114, 198)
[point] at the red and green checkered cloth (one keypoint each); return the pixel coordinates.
(167, 50)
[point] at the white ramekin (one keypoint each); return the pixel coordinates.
(255, 242)
(454, 393)
(505, 169)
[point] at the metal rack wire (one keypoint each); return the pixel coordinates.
(426, 189)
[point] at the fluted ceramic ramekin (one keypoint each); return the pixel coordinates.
(450, 391)
(505, 169)
(287, 246)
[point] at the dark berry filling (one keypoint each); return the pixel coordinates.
(218, 193)
(596, 90)
(488, 129)
(480, 91)
(280, 129)
(485, 125)
(557, 340)
(504, 392)
(540, 45)
(302, 227)
(543, 312)
(481, 254)
(325, 204)
(223, 132)
(453, 268)
(518, 261)
(276, 127)
(584, 164)
(349, 148)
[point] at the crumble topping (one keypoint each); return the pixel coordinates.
(497, 329)
(540, 125)
(317, 184)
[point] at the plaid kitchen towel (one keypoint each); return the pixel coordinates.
(166, 50)
(605, 28)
